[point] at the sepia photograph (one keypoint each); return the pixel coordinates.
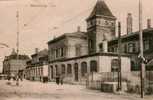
(76, 50)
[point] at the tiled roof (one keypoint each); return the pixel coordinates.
(101, 9)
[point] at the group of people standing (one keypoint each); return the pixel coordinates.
(59, 79)
(16, 77)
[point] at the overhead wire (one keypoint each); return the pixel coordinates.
(77, 15)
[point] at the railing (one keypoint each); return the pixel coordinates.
(107, 76)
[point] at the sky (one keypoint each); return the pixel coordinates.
(42, 20)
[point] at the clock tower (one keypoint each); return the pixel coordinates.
(100, 26)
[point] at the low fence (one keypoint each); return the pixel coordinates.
(132, 80)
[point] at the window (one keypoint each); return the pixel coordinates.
(83, 68)
(114, 65)
(101, 46)
(63, 69)
(125, 48)
(91, 45)
(115, 49)
(146, 45)
(62, 52)
(93, 22)
(93, 66)
(106, 22)
(135, 66)
(111, 49)
(78, 50)
(54, 56)
(69, 68)
(98, 21)
(56, 53)
(88, 24)
(131, 47)
(112, 24)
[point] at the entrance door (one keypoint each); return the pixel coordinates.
(52, 72)
(76, 71)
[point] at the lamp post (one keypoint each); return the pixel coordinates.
(119, 58)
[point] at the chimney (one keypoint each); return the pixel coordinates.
(36, 50)
(79, 29)
(148, 23)
(129, 23)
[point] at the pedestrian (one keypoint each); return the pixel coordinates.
(17, 80)
(20, 76)
(61, 79)
(57, 79)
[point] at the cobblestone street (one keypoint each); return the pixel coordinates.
(50, 91)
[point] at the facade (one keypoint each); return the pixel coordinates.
(37, 67)
(12, 65)
(77, 55)
(130, 45)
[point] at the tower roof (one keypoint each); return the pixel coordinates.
(101, 9)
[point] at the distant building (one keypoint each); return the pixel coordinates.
(12, 65)
(37, 67)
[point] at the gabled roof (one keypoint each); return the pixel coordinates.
(77, 34)
(101, 9)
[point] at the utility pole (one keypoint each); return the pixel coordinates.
(17, 45)
(142, 72)
(17, 41)
(119, 57)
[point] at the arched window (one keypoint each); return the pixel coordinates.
(93, 66)
(63, 69)
(83, 68)
(69, 68)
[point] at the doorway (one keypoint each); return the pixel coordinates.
(76, 72)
